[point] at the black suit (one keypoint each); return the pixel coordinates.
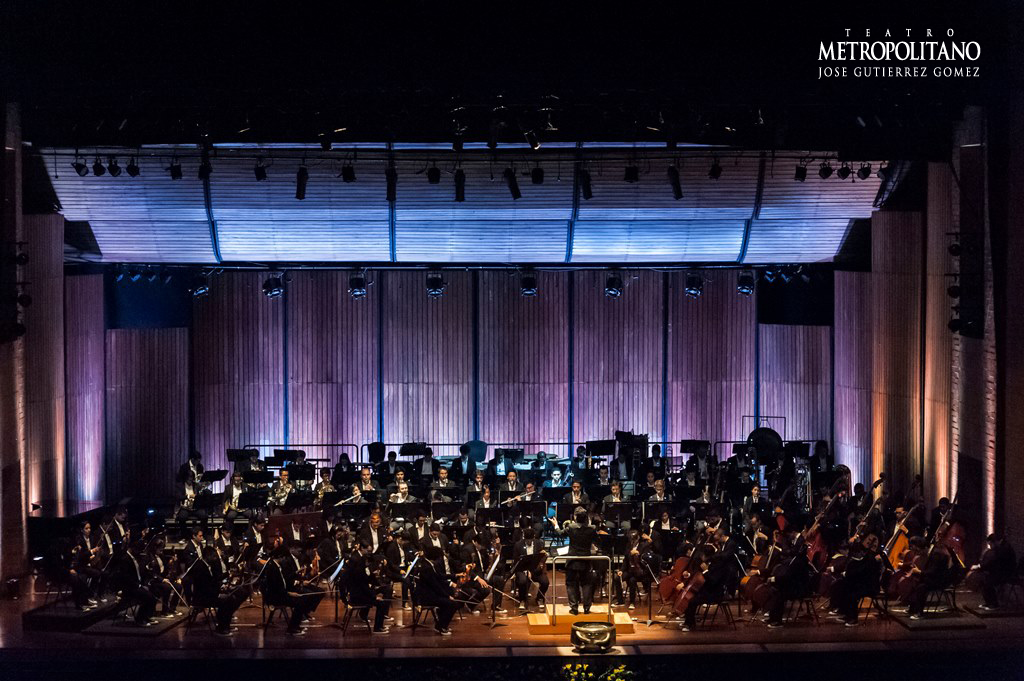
(492, 469)
(567, 499)
(720, 574)
(363, 591)
(525, 577)
(462, 470)
(366, 534)
(417, 468)
(132, 580)
(207, 578)
(434, 591)
(278, 591)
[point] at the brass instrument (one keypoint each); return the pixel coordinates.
(322, 489)
(279, 493)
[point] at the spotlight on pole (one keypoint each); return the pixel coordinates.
(436, 285)
(537, 175)
(174, 169)
(583, 179)
(513, 184)
(434, 175)
(80, 167)
(132, 168)
(745, 282)
(673, 179)
(632, 174)
(348, 173)
(843, 172)
(528, 285)
(800, 174)
(613, 286)
(864, 172)
(273, 287)
(694, 285)
(825, 170)
(205, 170)
(113, 168)
(97, 168)
(391, 176)
(357, 286)
(460, 185)
(301, 178)
(259, 170)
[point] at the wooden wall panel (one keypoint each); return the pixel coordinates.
(796, 380)
(147, 411)
(428, 360)
(853, 366)
(85, 337)
(332, 362)
(524, 388)
(44, 361)
(711, 357)
(896, 326)
(237, 351)
(938, 339)
(617, 350)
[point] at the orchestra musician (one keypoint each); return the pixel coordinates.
(332, 548)
(400, 554)
(396, 481)
(425, 467)
(232, 495)
(373, 533)
(603, 479)
(622, 465)
(478, 558)
(62, 566)
(207, 592)
(485, 500)
(498, 467)
(401, 495)
(324, 486)
(463, 469)
(420, 529)
(299, 462)
(443, 481)
(89, 562)
(433, 590)
(998, 566)
(362, 581)
(719, 574)
(387, 469)
(366, 481)
(556, 479)
(635, 570)
(279, 492)
(859, 580)
(700, 463)
(512, 483)
(478, 484)
(530, 570)
(576, 495)
(579, 577)
(189, 476)
(132, 580)
(162, 577)
(279, 588)
(541, 468)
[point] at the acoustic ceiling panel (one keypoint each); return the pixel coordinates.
(792, 241)
(301, 241)
(479, 241)
(153, 241)
(657, 241)
(729, 197)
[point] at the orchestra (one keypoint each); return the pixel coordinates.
(688, 533)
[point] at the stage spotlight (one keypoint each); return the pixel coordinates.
(97, 168)
(121, 272)
(301, 178)
(800, 174)
(537, 175)
(199, 286)
(391, 176)
(694, 285)
(715, 171)
(885, 172)
(273, 287)
(348, 173)
(583, 179)
(632, 174)
(513, 184)
(528, 285)
(357, 286)
(954, 291)
(864, 172)
(673, 179)
(174, 169)
(769, 276)
(613, 287)
(745, 282)
(825, 170)
(205, 170)
(132, 168)
(80, 168)
(843, 172)
(134, 275)
(532, 140)
(785, 275)
(460, 185)
(259, 170)
(113, 168)
(436, 285)
(434, 175)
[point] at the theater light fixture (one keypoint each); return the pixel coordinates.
(199, 286)
(357, 286)
(301, 179)
(528, 285)
(843, 172)
(113, 168)
(391, 176)
(715, 171)
(80, 167)
(513, 184)
(632, 174)
(537, 175)
(613, 286)
(745, 282)
(460, 185)
(800, 174)
(583, 180)
(174, 169)
(348, 173)
(434, 175)
(864, 172)
(436, 285)
(273, 287)
(825, 170)
(694, 285)
(532, 140)
(673, 180)
(259, 171)
(97, 168)
(132, 168)
(205, 170)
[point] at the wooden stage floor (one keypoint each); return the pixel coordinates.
(472, 637)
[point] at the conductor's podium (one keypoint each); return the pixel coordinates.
(540, 623)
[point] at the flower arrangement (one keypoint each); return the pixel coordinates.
(584, 672)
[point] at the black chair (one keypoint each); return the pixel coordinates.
(209, 616)
(804, 604)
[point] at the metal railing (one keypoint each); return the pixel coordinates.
(554, 582)
(333, 459)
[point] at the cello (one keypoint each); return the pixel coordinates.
(899, 541)
(817, 551)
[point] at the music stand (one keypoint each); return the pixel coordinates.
(301, 471)
(208, 502)
(213, 476)
(533, 509)
(486, 516)
(553, 495)
(617, 511)
(298, 499)
(254, 499)
(240, 457)
(344, 479)
(472, 496)
(354, 513)
(407, 511)
(694, 446)
(444, 509)
(599, 491)
(288, 454)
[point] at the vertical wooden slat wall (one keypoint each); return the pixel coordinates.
(85, 335)
(710, 360)
(617, 356)
(524, 388)
(938, 339)
(853, 362)
(896, 336)
(428, 360)
(332, 362)
(796, 380)
(147, 411)
(238, 370)
(44, 361)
